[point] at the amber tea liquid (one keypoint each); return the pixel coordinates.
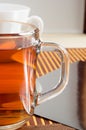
(17, 82)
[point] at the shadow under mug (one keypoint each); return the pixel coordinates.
(18, 64)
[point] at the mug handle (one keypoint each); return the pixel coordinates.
(56, 90)
(37, 21)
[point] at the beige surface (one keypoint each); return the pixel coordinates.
(67, 40)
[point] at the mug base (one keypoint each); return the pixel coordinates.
(13, 126)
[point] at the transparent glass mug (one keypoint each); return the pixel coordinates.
(18, 63)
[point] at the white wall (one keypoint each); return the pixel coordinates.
(58, 15)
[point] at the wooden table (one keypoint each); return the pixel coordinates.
(51, 59)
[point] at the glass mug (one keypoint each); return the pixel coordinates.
(18, 63)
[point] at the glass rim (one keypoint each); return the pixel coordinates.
(21, 33)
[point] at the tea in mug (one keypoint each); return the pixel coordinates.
(17, 78)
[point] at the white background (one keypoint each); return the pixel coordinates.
(59, 16)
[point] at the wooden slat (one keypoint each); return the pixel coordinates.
(49, 61)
